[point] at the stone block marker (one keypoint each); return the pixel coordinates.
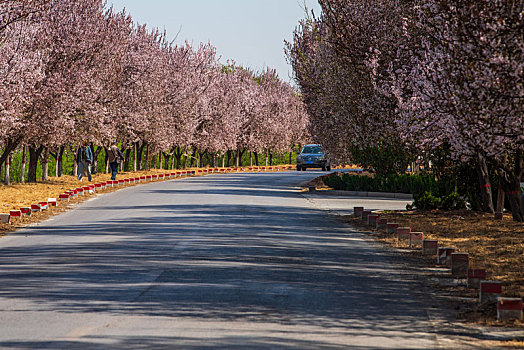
(475, 276)
(403, 234)
(489, 291)
(429, 247)
(415, 239)
(391, 227)
(26, 211)
(5, 219)
(509, 309)
(357, 211)
(459, 264)
(444, 255)
(381, 223)
(15, 214)
(372, 219)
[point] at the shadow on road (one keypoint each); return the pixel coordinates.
(240, 262)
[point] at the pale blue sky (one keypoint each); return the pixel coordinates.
(251, 32)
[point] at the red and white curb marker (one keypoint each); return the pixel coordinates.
(415, 239)
(429, 247)
(26, 211)
(52, 202)
(459, 264)
(391, 227)
(489, 291)
(5, 219)
(36, 207)
(64, 197)
(475, 276)
(43, 205)
(15, 214)
(403, 234)
(509, 309)
(372, 219)
(381, 223)
(444, 255)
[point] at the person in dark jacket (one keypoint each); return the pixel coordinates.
(115, 156)
(84, 158)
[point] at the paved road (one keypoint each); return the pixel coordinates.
(223, 261)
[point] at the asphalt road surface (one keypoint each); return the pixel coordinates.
(224, 261)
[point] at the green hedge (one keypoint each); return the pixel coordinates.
(428, 193)
(414, 184)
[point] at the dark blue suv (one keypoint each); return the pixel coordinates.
(312, 156)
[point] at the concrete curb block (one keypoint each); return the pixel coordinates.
(509, 309)
(489, 291)
(475, 276)
(459, 265)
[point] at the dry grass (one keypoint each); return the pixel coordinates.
(497, 246)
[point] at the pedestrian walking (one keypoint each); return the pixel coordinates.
(115, 156)
(84, 158)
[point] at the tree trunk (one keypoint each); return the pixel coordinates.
(106, 161)
(167, 158)
(45, 164)
(22, 166)
(228, 159)
(240, 155)
(34, 154)
(147, 157)
(139, 156)
(214, 160)
(193, 156)
(178, 155)
(511, 186)
(75, 164)
(250, 158)
(271, 158)
(7, 175)
(256, 158)
(96, 153)
(267, 158)
(135, 155)
(127, 156)
(290, 157)
(485, 185)
(10, 146)
(59, 168)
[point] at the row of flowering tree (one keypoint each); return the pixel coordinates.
(419, 75)
(74, 71)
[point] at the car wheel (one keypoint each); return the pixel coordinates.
(303, 168)
(299, 168)
(329, 168)
(323, 168)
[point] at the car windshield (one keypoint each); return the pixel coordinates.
(312, 150)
